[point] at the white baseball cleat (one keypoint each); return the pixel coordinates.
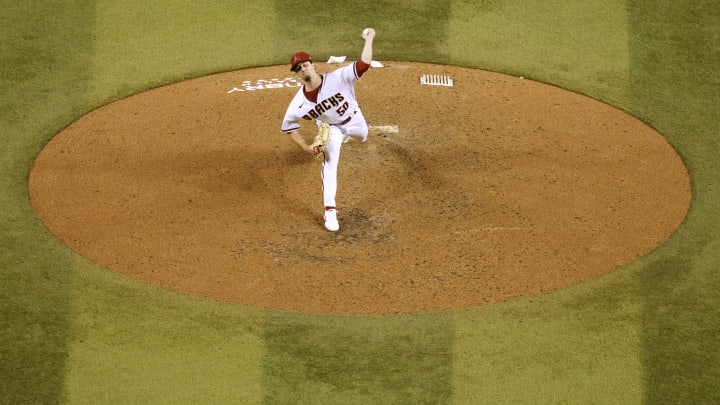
(331, 222)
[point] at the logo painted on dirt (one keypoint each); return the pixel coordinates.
(264, 84)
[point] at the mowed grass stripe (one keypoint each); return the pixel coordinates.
(413, 30)
(329, 359)
(44, 69)
(675, 59)
(566, 346)
(145, 44)
(138, 343)
(313, 359)
(133, 343)
(572, 44)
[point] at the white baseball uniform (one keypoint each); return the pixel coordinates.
(333, 102)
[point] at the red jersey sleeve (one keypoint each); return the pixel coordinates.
(361, 67)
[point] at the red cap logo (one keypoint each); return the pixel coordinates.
(299, 57)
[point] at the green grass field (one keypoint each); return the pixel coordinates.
(75, 333)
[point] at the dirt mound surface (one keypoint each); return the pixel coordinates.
(492, 189)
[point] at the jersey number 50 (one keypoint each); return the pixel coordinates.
(343, 109)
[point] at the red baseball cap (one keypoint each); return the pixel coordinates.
(299, 57)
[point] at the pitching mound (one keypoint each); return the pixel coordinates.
(492, 189)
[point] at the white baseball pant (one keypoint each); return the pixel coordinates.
(357, 129)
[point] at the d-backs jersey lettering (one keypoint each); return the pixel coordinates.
(335, 99)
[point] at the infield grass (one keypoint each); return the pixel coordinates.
(74, 333)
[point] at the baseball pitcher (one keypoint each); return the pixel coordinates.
(328, 100)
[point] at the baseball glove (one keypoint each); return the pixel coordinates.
(322, 138)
